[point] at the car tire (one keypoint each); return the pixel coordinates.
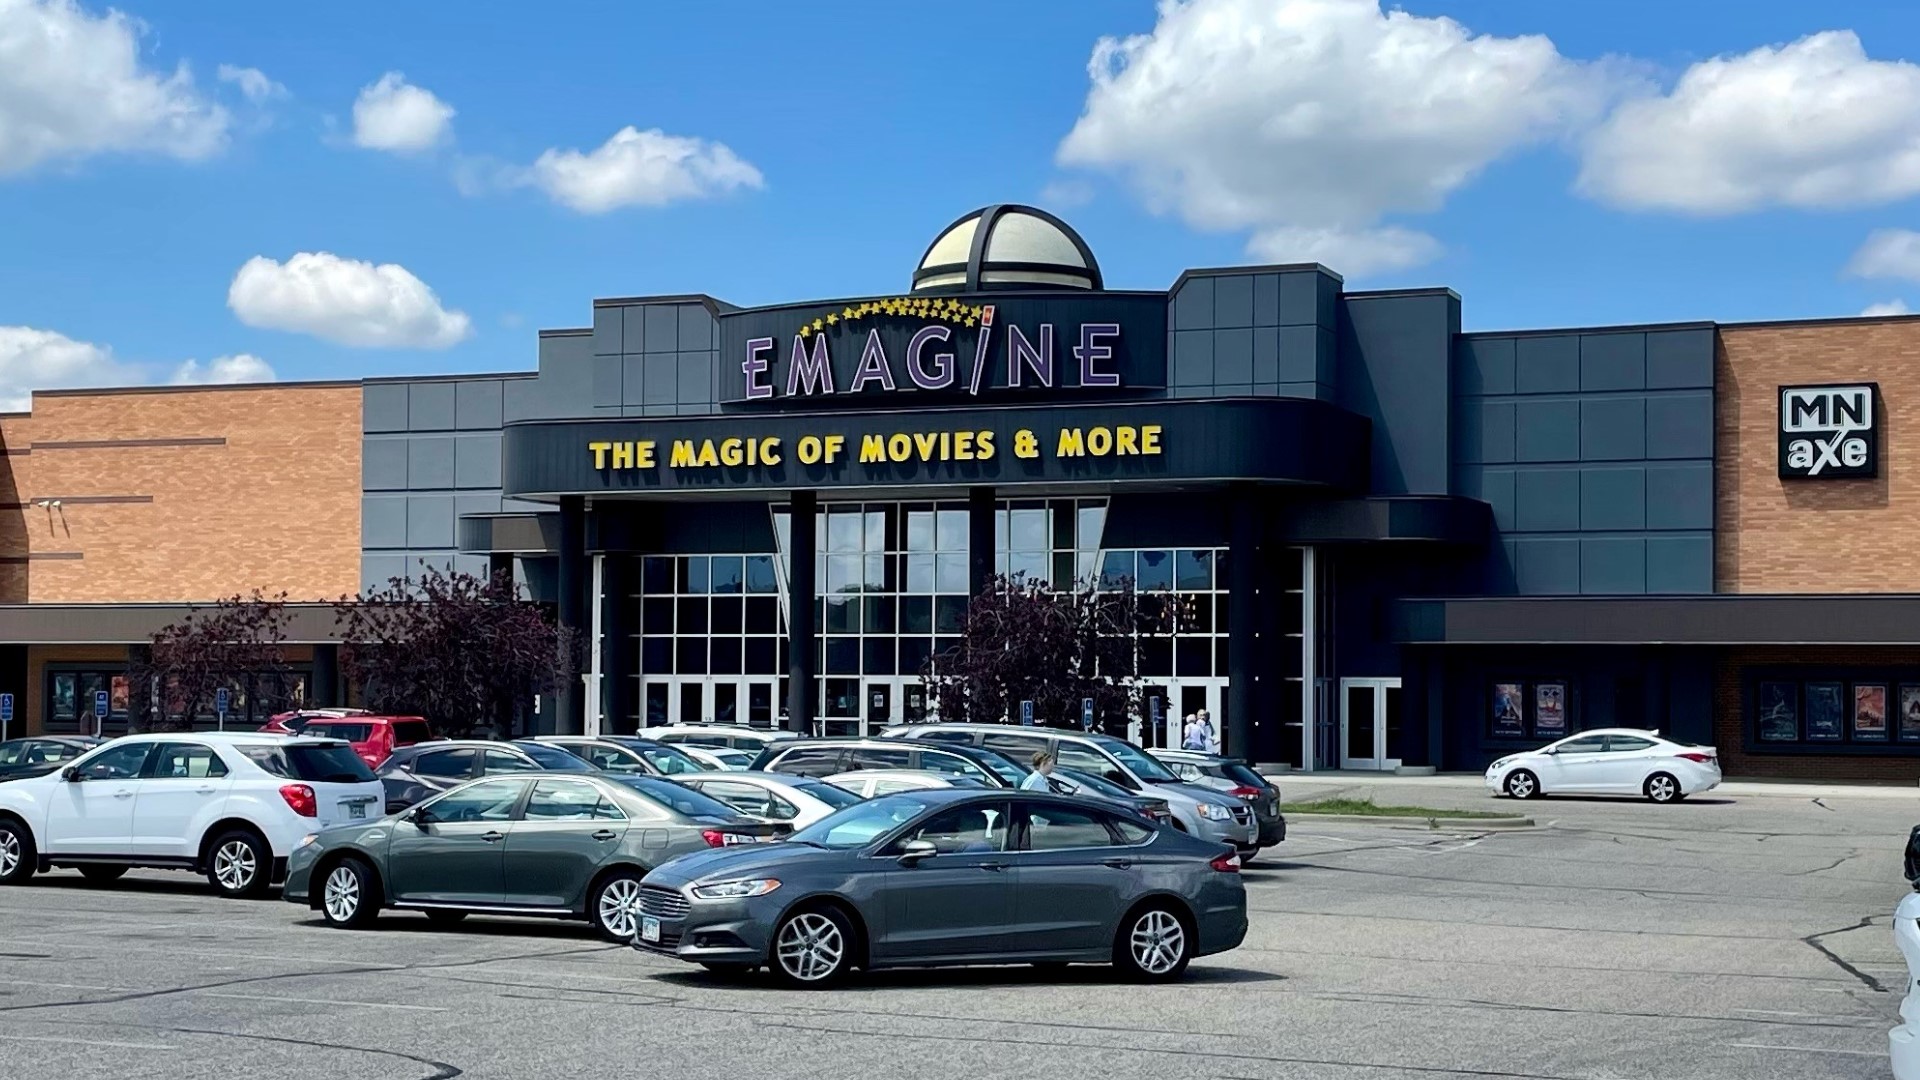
(349, 895)
(1662, 788)
(813, 948)
(18, 859)
(614, 907)
(443, 917)
(98, 874)
(1154, 944)
(240, 865)
(1522, 784)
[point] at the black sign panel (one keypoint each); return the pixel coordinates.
(1829, 432)
(1171, 443)
(1070, 344)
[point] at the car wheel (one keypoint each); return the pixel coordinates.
(239, 865)
(18, 860)
(1154, 945)
(615, 907)
(443, 917)
(1662, 788)
(349, 897)
(812, 948)
(1522, 784)
(100, 875)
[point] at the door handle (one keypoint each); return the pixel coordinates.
(204, 790)
(492, 837)
(996, 867)
(123, 794)
(1117, 864)
(605, 834)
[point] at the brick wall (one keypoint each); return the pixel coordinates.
(182, 494)
(1824, 536)
(1730, 715)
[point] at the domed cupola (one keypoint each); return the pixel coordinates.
(1003, 248)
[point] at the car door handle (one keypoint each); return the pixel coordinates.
(204, 790)
(493, 837)
(123, 794)
(1117, 864)
(994, 866)
(605, 834)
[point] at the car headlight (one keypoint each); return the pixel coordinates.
(1497, 766)
(736, 890)
(307, 839)
(1215, 812)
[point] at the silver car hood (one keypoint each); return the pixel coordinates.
(1189, 792)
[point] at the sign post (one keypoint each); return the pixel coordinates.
(101, 703)
(220, 700)
(6, 715)
(1086, 714)
(1026, 713)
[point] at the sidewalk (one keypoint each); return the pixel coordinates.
(1330, 781)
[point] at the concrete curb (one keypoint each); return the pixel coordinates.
(1296, 819)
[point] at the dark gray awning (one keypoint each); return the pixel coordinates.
(1823, 619)
(516, 534)
(1444, 519)
(134, 624)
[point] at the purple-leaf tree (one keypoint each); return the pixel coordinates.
(1023, 640)
(238, 640)
(466, 652)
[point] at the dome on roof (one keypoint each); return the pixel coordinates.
(1005, 247)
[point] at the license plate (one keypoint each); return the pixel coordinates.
(649, 929)
(357, 811)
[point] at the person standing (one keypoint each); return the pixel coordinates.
(1038, 779)
(1210, 737)
(1192, 735)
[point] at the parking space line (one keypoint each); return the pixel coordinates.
(1809, 1049)
(325, 1001)
(89, 1042)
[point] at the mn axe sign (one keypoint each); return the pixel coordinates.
(1829, 432)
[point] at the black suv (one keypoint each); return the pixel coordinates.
(414, 772)
(825, 757)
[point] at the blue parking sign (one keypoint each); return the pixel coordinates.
(1086, 714)
(220, 700)
(100, 704)
(1026, 713)
(6, 707)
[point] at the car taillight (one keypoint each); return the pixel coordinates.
(1245, 792)
(1227, 864)
(301, 798)
(719, 838)
(1694, 756)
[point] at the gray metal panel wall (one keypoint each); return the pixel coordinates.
(1395, 369)
(1595, 450)
(650, 359)
(430, 453)
(1265, 333)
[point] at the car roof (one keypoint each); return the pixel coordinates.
(767, 778)
(1638, 733)
(906, 731)
(891, 774)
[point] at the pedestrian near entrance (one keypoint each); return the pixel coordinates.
(1042, 769)
(1207, 732)
(1194, 736)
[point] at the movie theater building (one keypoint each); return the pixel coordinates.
(1396, 544)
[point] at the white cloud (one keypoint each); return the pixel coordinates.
(253, 83)
(344, 301)
(1813, 124)
(392, 114)
(237, 368)
(1309, 122)
(1887, 253)
(33, 359)
(1887, 307)
(640, 168)
(1065, 193)
(1357, 252)
(72, 85)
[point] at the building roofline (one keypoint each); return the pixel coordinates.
(1619, 328)
(1260, 268)
(666, 298)
(188, 388)
(568, 331)
(1418, 290)
(1825, 320)
(472, 377)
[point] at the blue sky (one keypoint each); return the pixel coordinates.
(1556, 164)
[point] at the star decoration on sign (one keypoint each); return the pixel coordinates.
(946, 309)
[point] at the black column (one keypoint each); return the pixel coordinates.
(569, 716)
(801, 692)
(499, 563)
(979, 539)
(1243, 619)
(324, 687)
(619, 657)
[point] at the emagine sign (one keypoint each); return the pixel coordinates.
(954, 347)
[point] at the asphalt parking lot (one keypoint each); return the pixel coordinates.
(1741, 938)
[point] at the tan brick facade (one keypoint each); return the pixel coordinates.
(182, 494)
(1731, 723)
(1816, 536)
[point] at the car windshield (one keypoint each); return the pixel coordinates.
(551, 757)
(665, 758)
(334, 764)
(1099, 785)
(1136, 760)
(738, 759)
(858, 826)
(1002, 766)
(685, 800)
(838, 798)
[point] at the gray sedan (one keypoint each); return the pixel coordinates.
(951, 876)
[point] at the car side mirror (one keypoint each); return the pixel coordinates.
(71, 774)
(420, 816)
(913, 851)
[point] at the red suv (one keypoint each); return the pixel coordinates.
(373, 737)
(293, 723)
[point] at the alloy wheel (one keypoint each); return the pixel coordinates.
(9, 852)
(1662, 788)
(810, 947)
(620, 907)
(1520, 785)
(1158, 943)
(342, 897)
(234, 865)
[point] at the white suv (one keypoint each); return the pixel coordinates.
(231, 806)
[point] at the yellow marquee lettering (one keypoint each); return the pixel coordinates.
(873, 448)
(599, 453)
(1126, 440)
(707, 459)
(927, 442)
(682, 457)
(1071, 444)
(899, 446)
(643, 454)
(769, 451)
(835, 444)
(809, 450)
(1150, 438)
(623, 455)
(1099, 442)
(984, 440)
(963, 446)
(732, 452)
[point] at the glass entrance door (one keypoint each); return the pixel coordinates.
(1370, 725)
(708, 700)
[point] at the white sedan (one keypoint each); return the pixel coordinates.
(721, 758)
(1903, 1042)
(1608, 761)
(776, 797)
(873, 783)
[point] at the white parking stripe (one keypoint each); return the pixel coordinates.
(89, 1042)
(1810, 1049)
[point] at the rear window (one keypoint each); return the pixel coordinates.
(336, 764)
(408, 732)
(838, 798)
(550, 757)
(683, 799)
(334, 729)
(1240, 774)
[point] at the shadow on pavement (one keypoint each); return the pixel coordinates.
(959, 977)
